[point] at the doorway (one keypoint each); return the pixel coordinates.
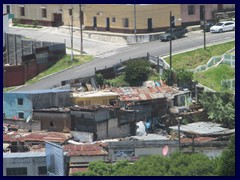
(57, 20)
(107, 24)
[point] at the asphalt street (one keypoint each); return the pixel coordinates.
(108, 54)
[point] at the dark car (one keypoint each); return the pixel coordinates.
(208, 25)
(176, 33)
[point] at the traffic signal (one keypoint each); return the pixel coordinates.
(172, 21)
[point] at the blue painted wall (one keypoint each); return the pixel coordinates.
(11, 107)
(34, 99)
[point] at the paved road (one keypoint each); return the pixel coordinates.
(111, 56)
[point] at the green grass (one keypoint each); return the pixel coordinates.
(192, 59)
(62, 64)
(212, 77)
(27, 26)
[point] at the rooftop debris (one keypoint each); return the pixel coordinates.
(203, 129)
(36, 137)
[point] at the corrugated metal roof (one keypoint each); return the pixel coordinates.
(41, 91)
(24, 154)
(90, 94)
(143, 93)
(84, 150)
(36, 137)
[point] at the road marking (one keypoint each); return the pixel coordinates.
(221, 39)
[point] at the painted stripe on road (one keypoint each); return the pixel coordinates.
(220, 39)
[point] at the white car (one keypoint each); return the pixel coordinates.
(223, 26)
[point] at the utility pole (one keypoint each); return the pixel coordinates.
(81, 23)
(72, 36)
(204, 29)
(135, 24)
(170, 51)
(170, 39)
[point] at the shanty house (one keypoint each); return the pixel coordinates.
(82, 155)
(102, 121)
(93, 98)
(19, 105)
(53, 119)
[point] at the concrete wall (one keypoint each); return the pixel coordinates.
(52, 99)
(5, 27)
(31, 163)
(195, 18)
(34, 11)
(61, 121)
(116, 131)
(33, 101)
(35, 125)
(11, 107)
(86, 159)
(132, 150)
(158, 12)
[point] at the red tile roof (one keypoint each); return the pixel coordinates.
(84, 150)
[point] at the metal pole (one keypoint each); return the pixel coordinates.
(170, 39)
(171, 75)
(179, 138)
(135, 24)
(204, 30)
(72, 36)
(80, 11)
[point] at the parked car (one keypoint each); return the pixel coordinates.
(208, 25)
(223, 26)
(176, 33)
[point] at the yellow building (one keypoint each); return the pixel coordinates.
(122, 18)
(101, 17)
(94, 98)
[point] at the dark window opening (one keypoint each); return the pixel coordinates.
(17, 171)
(94, 22)
(191, 9)
(44, 13)
(20, 101)
(22, 11)
(51, 124)
(21, 115)
(125, 22)
(8, 9)
(113, 19)
(42, 170)
(70, 12)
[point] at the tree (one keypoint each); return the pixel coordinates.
(227, 160)
(184, 78)
(177, 164)
(137, 71)
(168, 77)
(100, 79)
(220, 107)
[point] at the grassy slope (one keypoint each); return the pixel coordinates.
(63, 63)
(213, 76)
(192, 59)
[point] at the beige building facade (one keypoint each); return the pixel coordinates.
(121, 18)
